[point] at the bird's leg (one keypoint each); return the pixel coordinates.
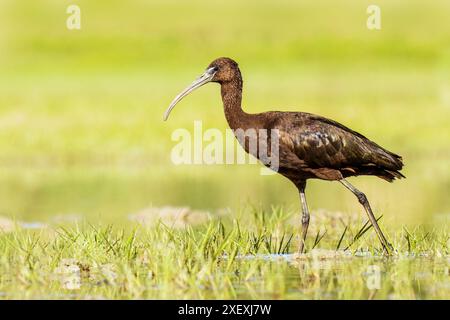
(305, 216)
(363, 200)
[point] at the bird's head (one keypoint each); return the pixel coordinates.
(226, 70)
(221, 70)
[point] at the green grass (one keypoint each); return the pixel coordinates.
(81, 133)
(240, 256)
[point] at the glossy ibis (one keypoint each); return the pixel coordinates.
(310, 146)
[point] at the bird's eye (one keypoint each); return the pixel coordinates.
(212, 70)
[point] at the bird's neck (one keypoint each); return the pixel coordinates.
(232, 99)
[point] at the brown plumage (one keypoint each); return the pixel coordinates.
(330, 151)
(310, 146)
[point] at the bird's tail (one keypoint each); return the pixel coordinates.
(390, 175)
(391, 165)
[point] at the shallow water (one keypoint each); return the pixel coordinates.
(319, 274)
(42, 198)
(108, 193)
(323, 274)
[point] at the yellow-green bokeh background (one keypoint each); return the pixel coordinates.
(81, 126)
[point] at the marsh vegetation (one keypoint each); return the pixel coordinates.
(84, 152)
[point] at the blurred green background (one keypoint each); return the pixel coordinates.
(81, 128)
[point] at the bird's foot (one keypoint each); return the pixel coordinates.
(388, 249)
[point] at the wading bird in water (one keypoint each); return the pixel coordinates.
(310, 146)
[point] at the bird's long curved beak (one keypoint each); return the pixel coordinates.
(203, 79)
